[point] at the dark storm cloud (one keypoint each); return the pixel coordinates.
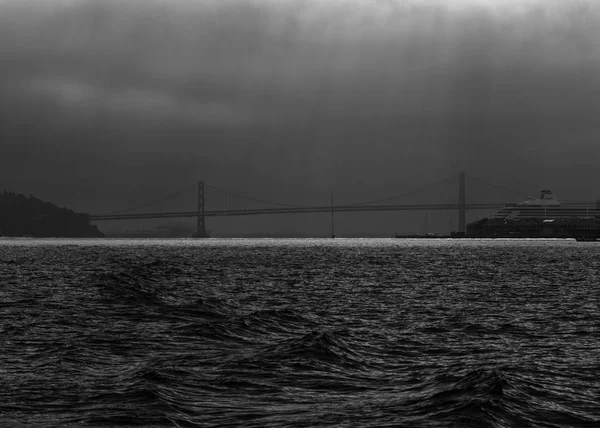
(295, 97)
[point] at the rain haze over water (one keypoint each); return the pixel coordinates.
(109, 104)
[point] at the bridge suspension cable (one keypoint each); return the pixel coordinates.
(412, 192)
(154, 202)
(248, 198)
(506, 189)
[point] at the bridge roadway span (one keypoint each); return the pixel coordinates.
(296, 210)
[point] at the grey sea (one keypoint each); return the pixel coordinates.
(299, 333)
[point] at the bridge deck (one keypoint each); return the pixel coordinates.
(296, 210)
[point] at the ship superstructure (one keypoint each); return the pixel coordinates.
(541, 217)
(547, 206)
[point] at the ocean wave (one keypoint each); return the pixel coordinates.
(252, 336)
(147, 285)
(315, 348)
(490, 397)
(272, 322)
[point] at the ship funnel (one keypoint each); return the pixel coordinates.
(548, 195)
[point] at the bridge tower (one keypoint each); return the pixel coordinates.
(201, 225)
(462, 204)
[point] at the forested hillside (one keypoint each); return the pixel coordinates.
(29, 216)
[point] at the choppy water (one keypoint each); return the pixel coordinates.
(265, 333)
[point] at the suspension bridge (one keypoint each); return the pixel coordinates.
(224, 203)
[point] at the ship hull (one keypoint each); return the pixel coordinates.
(535, 228)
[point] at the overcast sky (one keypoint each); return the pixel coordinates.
(105, 103)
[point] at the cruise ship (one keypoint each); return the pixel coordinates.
(543, 217)
(546, 207)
